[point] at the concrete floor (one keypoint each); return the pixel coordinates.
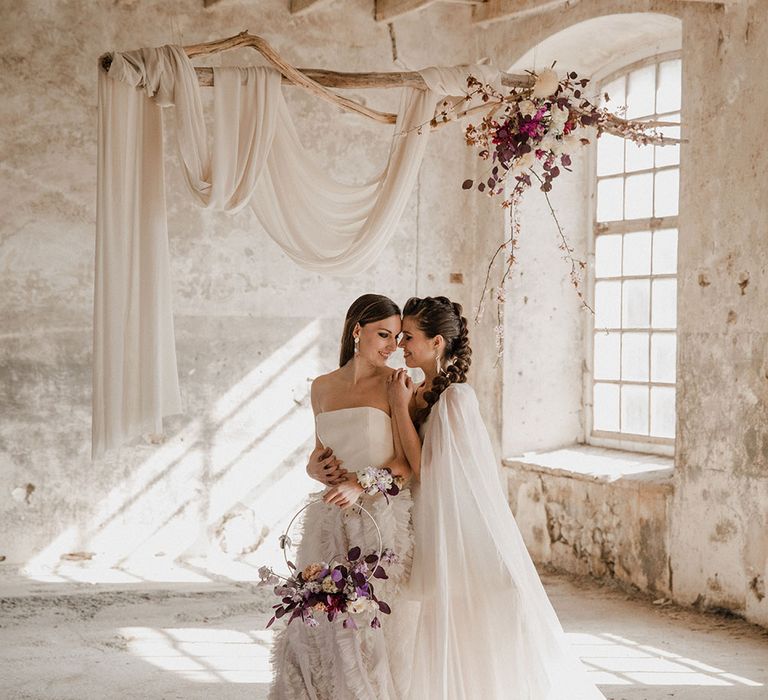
(77, 641)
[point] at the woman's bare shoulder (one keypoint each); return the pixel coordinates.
(324, 384)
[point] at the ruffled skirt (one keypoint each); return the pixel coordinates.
(329, 662)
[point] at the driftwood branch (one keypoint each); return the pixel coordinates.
(316, 81)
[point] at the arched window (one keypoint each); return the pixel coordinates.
(632, 340)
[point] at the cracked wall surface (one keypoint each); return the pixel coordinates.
(617, 529)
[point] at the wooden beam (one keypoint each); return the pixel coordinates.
(299, 7)
(387, 10)
(496, 10)
(359, 81)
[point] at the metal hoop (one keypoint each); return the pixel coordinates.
(285, 538)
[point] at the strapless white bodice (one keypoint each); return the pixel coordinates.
(360, 436)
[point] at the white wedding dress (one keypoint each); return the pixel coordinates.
(486, 628)
(330, 662)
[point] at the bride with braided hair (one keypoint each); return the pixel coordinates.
(486, 628)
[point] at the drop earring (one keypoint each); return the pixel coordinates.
(357, 345)
(438, 366)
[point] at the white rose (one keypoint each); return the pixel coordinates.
(527, 108)
(559, 116)
(546, 83)
(358, 606)
(550, 143)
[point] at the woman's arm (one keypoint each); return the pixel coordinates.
(323, 465)
(399, 466)
(400, 394)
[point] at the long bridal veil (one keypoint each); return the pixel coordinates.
(486, 628)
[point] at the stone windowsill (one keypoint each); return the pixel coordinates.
(602, 464)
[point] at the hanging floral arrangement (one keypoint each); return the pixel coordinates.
(531, 134)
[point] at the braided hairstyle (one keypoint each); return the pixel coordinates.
(365, 309)
(440, 316)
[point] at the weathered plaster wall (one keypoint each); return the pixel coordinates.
(720, 517)
(604, 527)
(252, 328)
(717, 528)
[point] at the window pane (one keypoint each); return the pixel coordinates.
(634, 357)
(665, 251)
(664, 303)
(607, 352)
(663, 411)
(663, 349)
(668, 155)
(607, 304)
(639, 157)
(668, 88)
(667, 186)
(635, 293)
(636, 303)
(610, 155)
(639, 197)
(610, 199)
(608, 256)
(616, 95)
(641, 88)
(634, 409)
(637, 253)
(605, 409)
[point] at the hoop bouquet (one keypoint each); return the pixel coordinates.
(341, 587)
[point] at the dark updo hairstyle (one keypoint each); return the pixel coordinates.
(439, 316)
(365, 309)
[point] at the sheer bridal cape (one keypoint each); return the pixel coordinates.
(486, 628)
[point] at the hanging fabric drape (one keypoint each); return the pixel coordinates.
(257, 160)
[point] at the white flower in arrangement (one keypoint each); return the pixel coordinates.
(360, 605)
(365, 478)
(313, 586)
(267, 576)
(557, 120)
(551, 143)
(527, 108)
(524, 162)
(546, 83)
(377, 480)
(329, 585)
(559, 116)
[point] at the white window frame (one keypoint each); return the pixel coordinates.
(622, 441)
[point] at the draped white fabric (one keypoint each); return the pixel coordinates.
(135, 382)
(257, 160)
(486, 628)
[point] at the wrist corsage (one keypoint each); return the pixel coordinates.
(380, 480)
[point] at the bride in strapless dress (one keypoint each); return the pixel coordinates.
(354, 430)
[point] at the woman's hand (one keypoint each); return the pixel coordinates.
(325, 468)
(400, 388)
(344, 494)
